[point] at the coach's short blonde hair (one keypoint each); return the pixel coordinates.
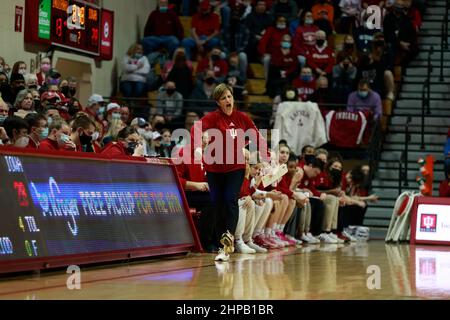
(220, 90)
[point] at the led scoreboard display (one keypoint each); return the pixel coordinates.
(62, 211)
(72, 24)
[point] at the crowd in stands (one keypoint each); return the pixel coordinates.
(295, 42)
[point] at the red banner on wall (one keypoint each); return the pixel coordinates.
(107, 36)
(18, 20)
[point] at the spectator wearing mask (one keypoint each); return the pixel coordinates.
(4, 110)
(348, 50)
(44, 68)
(323, 15)
(202, 94)
(252, 30)
(144, 129)
(17, 84)
(5, 89)
(52, 81)
(20, 67)
(305, 84)
(283, 67)
(205, 29)
(213, 61)
(68, 87)
(58, 137)
(158, 122)
(24, 103)
(321, 58)
(305, 36)
(129, 143)
(400, 34)
(365, 99)
(344, 74)
(165, 35)
(31, 81)
(270, 42)
(17, 130)
(322, 96)
(38, 129)
(169, 101)
(83, 129)
(168, 66)
(167, 144)
(180, 72)
(95, 110)
(350, 10)
(133, 82)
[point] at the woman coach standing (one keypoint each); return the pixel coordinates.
(225, 174)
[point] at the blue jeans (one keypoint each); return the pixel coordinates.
(189, 44)
(153, 43)
(132, 89)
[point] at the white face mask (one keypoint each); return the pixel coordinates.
(22, 142)
(95, 136)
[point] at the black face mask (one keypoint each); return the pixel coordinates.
(85, 139)
(215, 57)
(379, 43)
(320, 42)
(131, 147)
(72, 91)
(37, 103)
(210, 80)
(65, 90)
(73, 110)
(309, 158)
(170, 91)
(346, 65)
(348, 46)
(336, 175)
(4, 87)
(159, 126)
(19, 88)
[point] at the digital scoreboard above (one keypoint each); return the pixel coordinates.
(72, 24)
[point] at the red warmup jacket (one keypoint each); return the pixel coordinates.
(32, 144)
(444, 188)
(228, 126)
(308, 183)
(284, 184)
(304, 89)
(48, 144)
(288, 63)
(190, 172)
(323, 181)
(114, 149)
(220, 67)
(323, 59)
(246, 190)
(164, 24)
(271, 40)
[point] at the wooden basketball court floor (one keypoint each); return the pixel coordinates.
(348, 271)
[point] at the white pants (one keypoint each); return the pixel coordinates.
(246, 221)
(262, 214)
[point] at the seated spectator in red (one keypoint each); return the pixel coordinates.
(305, 84)
(95, 110)
(305, 36)
(38, 129)
(270, 42)
(283, 67)
(17, 130)
(205, 30)
(44, 68)
(83, 129)
(159, 35)
(129, 144)
(321, 58)
(365, 99)
(213, 61)
(58, 137)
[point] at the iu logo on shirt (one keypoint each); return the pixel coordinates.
(233, 132)
(428, 222)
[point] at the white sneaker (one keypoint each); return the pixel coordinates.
(255, 247)
(311, 238)
(241, 247)
(335, 237)
(326, 239)
(349, 236)
(222, 256)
